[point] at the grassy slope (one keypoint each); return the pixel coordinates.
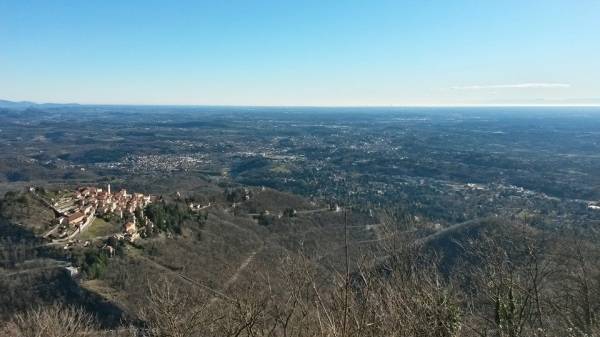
(27, 211)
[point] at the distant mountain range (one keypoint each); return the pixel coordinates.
(26, 104)
(15, 105)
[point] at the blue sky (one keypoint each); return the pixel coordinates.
(301, 52)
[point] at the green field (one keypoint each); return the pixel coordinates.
(99, 228)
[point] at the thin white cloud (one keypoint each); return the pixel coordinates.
(513, 86)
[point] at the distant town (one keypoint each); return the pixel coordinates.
(78, 210)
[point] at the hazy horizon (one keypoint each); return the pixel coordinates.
(26, 101)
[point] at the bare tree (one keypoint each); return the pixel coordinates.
(52, 321)
(576, 300)
(171, 312)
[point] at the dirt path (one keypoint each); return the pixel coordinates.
(237, 273)
(448, 230)
(240, 269)
(217, 293)
(304, 212)
(51, 264)
(181, 276)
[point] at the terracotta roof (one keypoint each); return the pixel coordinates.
(75, 216)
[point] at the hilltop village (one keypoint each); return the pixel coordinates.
(76, 211)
